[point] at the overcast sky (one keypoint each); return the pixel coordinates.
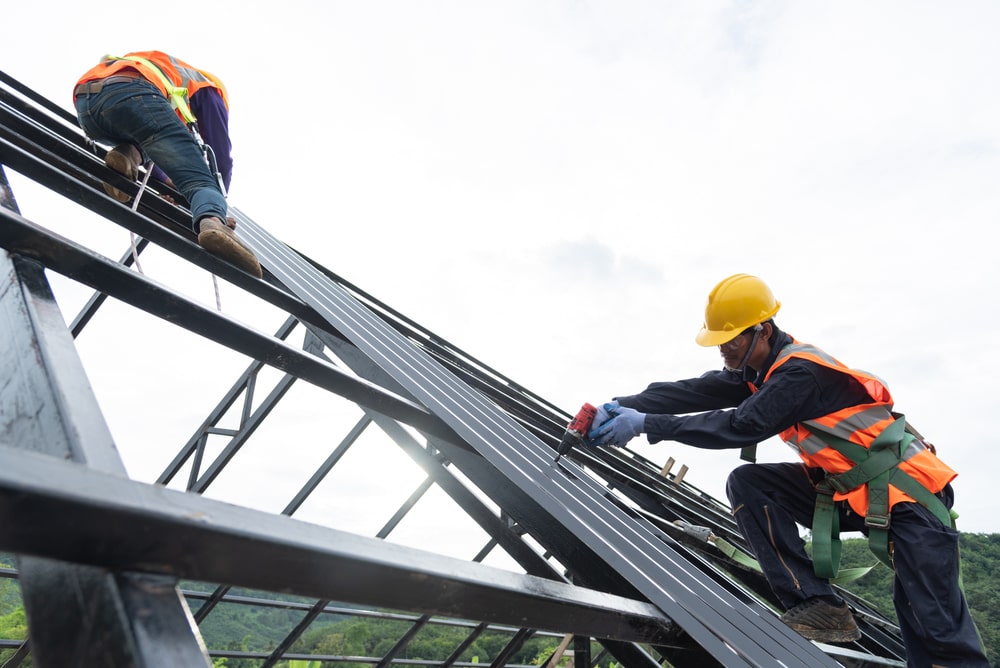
(554, 187)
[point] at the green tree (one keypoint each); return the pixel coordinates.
(980, 559)
(14, 625)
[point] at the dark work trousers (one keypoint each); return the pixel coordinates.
(770, 500)
(136, 112)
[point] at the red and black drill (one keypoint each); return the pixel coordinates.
(576, 430)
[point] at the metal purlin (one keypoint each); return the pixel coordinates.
(282, 337)
(706, 612)
(607, 462)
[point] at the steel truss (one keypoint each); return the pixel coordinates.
(614, 550)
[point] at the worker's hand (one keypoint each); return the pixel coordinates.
(231, 222)
(625, 424)
(602, 417)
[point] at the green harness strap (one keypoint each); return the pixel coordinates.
(878, 467)
(745, 559)
(845, 576)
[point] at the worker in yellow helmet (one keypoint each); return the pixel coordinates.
(151, 105)
(836, 418)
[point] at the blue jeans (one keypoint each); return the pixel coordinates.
(136, 112)
(770, 500)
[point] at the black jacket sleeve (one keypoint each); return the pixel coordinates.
(714, 389)
(730, 417)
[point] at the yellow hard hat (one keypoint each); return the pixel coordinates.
(736, 303)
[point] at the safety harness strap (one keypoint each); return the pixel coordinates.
(907, 483)
(877, 467)
(735, 553)
(176, 94)
(745, 559)
(178, 100)
(826, 546)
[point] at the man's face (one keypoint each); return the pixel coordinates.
(735, 350)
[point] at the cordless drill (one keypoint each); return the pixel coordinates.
(576, 430)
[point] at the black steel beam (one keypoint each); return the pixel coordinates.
(111, 522)
(47, 406)
(40, 165)
(55, 252)
(55, 154)
(68, 169)
(708, 613)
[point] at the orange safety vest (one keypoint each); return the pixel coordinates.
(179, 73)
(861, 425)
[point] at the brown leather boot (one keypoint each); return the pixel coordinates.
(125, 160)
(818, 620)
(216, 237)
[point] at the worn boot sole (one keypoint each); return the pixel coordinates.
(827, 635)
(122, 164)
(227, 247)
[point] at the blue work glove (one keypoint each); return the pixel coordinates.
(625, 424)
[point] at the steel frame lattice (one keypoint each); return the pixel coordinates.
(604, 540)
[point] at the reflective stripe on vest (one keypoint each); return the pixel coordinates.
(191, 80)
(176, 94)
(860, 425)
(874, 462)
(194, 79)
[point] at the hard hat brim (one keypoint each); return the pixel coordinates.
(709, 338)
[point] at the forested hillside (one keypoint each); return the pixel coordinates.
(980, 561)
(238, 627)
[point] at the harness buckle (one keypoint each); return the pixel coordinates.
(837, 485)
(877, 521)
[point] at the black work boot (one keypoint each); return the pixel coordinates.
(818, 620)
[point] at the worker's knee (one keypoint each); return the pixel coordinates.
(738, 482)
